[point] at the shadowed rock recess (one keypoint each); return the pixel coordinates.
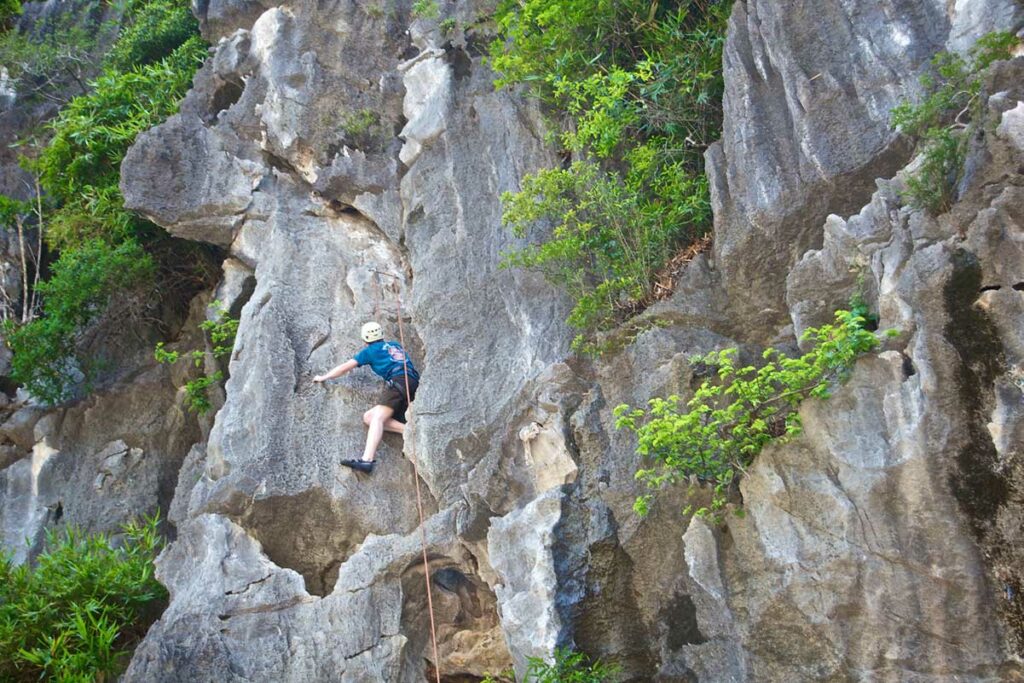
(325, 143)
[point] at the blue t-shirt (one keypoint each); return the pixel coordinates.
(387, 359)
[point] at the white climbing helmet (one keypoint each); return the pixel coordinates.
(372, 332)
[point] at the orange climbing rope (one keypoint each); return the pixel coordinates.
(412, 456)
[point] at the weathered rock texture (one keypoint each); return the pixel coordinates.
(352, 168)
(97, 464)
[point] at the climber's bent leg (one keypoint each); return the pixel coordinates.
(375, 419)
(390, 425)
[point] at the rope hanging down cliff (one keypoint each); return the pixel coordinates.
(415, 464)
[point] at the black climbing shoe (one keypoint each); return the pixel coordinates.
(361, 465)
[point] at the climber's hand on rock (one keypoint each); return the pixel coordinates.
(319, 378)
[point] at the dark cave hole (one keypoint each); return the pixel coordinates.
(908, 367)
(225, 96)
(459, 60)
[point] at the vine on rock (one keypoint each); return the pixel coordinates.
(221, 333)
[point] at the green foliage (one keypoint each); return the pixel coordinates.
(426, 9)
(74, 615)
(60, 49)
(364, 129)
(83, 281)
(10, 10)
(944, 120)
(151, 30)
(859, 306)
(605, 247)
(716, 434)
(567, 667)
(11, 209)
(638, 86)
(197, 396)
(380, 9)
(54, 59)
(81, 165)
(220, 334)
(107, 254)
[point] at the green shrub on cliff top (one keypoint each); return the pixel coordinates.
(715, 435)
(946, 118)
(74, 614)
(636, 89)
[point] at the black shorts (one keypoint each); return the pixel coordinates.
(393, 395)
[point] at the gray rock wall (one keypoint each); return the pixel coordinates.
(882, 544)
(833, 572)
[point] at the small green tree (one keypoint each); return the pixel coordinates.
(715, 435)
(10, 10)
(76, 612)
(47, 357)
(605, 247)
(80, 167)
(54, 60)
(108, 256)
(945, 119)
(635, 88)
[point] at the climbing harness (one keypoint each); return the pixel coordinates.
(412, 453)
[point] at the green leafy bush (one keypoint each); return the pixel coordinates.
(220, 334)
(60, 54)
(151, 30)
(716, 434)
(567, 667)
(10, 10)
(637, 89)
(75, 614)
(426, 9)
(944, 121)
(364, 130)
(81, 165)
(47, 357)
(606, 246)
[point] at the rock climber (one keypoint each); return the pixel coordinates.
(389, 360)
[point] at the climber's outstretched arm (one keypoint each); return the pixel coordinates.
(338, 371)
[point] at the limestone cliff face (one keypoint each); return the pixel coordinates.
(350, 159)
